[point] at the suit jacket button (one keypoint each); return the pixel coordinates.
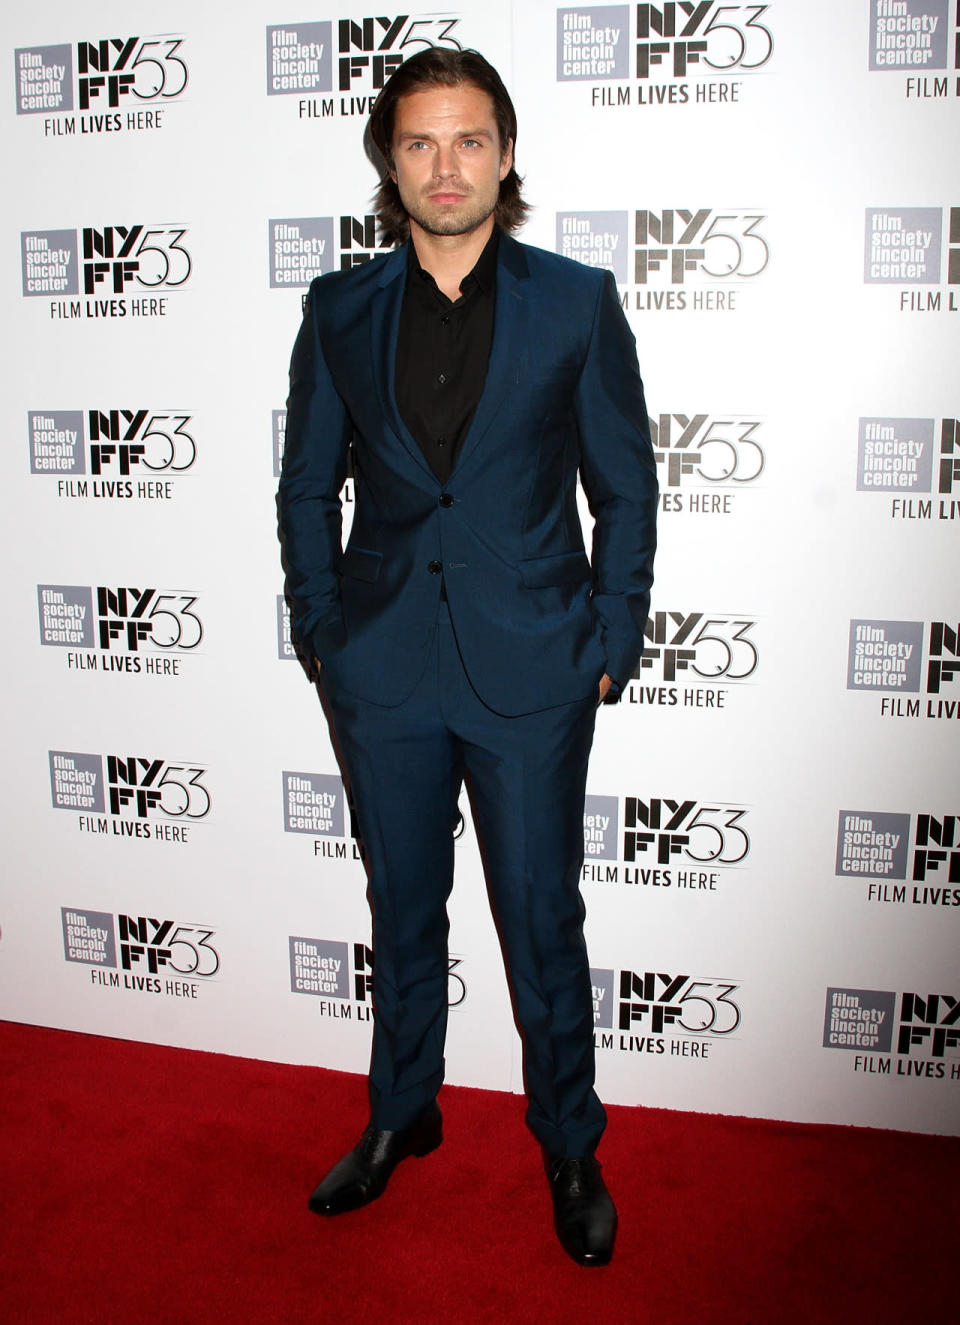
(435, 568)
(446, 499)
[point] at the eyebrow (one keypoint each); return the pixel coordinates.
(463, 133)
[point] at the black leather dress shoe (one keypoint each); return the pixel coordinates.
(362, 1175)
(583, 1212)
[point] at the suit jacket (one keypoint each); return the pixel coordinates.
(537, 622)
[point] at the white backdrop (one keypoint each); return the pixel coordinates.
(773, 877)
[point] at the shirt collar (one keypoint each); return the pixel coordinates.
(483, 275)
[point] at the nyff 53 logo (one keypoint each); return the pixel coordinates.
(109, 73)
(164, 944)
(675, 36)
(349, 55)
(145, 798)
(661, 829)
(131, 618)
(671, 844)
(370, 49)
(658, 1013)
(331, 969)
(927, 1042)
(692, 448)
(114, 260)
(123, 440)
(691, 658)
(142, 953)
(302, 248)
(711, 647)
(674, 40)
(125, 619)
(681, 258)
(130, 454)
(142, 255)
(149, 787)
(705, 242)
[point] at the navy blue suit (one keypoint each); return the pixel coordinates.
(498, 683)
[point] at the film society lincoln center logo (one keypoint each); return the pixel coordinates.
(302, 248)
(915, 1035)
(902, 457)
(679, 259)
(116, 83)
(128, 454)
(904, 859)
(340, 975)
(702, 40)
(349, 57)
(896, 659)
(316, 804)
(904, 246)
(122, 271)
(913, 36)
(142, 954)
(130, 796)
(119, 628)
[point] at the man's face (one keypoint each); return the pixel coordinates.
(447, 158)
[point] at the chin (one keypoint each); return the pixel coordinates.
(450, 227)
(440, 224)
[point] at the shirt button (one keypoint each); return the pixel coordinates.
(445, 322)
(441, 379)
(435, 568)
(446, 499)
(441, 441)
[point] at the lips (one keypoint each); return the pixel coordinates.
(446, 197)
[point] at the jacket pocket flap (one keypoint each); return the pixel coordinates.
(561, 568)
(360, 564)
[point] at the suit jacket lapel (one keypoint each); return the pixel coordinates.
(384, 329)
(510, 330)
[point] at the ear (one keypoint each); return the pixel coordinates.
(506, 160)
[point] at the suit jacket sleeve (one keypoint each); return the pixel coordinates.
(619, 476)
(314, 469)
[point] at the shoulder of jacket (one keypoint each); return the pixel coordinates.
(543, 263)
(352, 281)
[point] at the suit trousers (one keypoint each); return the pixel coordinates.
(526, 777)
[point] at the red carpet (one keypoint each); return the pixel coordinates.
(144, 1184)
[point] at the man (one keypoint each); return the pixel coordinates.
(463, 634)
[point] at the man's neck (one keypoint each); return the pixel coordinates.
(450, 258)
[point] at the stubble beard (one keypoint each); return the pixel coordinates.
(444, 220)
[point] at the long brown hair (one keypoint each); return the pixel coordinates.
(441, 66)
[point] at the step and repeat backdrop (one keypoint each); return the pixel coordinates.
(772, 869)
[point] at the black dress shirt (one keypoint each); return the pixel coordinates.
(443, 350)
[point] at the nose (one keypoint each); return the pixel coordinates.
(444, 163)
